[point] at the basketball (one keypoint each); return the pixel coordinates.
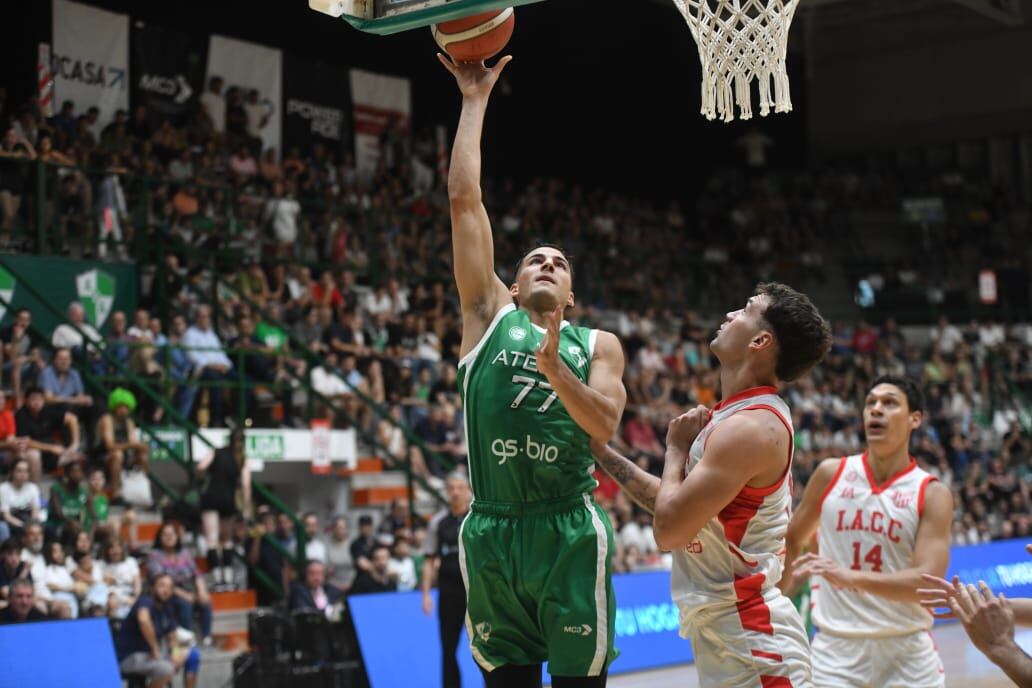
(477, 37)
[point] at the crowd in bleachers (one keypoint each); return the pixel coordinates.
(257, 257)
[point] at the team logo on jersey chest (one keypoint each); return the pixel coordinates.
(901, 500)
(851, 476)
(517, 333)
(578, 356)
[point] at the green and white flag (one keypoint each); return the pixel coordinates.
(96, 290)
(6, 290)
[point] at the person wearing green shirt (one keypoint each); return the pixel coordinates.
(69, 508)
(535, 550)
(98, 499)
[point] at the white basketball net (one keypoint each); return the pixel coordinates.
(739, 41)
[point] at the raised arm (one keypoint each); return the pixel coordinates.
(598, 405)
(805, 520)
(481, 292)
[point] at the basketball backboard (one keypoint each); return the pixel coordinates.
(391, 16)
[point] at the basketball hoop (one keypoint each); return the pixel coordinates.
(739, 41)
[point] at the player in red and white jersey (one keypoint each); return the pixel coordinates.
(881, 523)
(724, 502)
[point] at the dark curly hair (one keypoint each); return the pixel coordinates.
(803, 336)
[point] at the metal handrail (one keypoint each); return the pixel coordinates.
(192, 430)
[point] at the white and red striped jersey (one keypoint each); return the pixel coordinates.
(870, 527)
(739, 554)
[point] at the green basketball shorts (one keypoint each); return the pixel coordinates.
(539, 585)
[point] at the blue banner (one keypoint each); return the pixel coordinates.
(1005, 566)
(400, 644)
(57, 654)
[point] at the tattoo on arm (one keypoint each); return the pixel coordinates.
(641, 486)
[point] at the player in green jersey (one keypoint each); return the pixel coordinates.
(535, 550)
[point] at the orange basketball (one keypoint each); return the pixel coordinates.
(477, 37)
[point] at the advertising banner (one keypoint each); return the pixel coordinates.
(249, 66)
(317, 106)
(168, 72)
(382, 109)
(90, 59)
(268, 444)
(102, 288)
(393, 625)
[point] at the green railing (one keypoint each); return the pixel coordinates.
(125, 374)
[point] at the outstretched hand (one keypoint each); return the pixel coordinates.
(812, 564)
(547, 352)
(475, 79)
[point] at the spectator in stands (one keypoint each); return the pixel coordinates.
(11, 567)
(214, 105)
(243, 166)
(122, 575)
(314, 592)
(397, 517)
(264, 556)
(258, 113)
(281, 215)
(377, 578)
(363, 544)
(119, 342)
(19, 501)
(32, 549)
(14, 150)
(180, 368)
(90, 586)
(210, 363)
(284, 534)
(69, 506)
(338, 555)
(56, 584)
(402, 567)
(315, 548)
(151, 622)
(226, 470)
(63, 388)
(19, 340)
(21, 607)
(98, 519)
(168, 556)
(42, 424)
(116, 439)
(70, 335)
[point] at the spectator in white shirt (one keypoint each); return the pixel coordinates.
(281, 213)
(327, 380)
(19, 499)
(401, 567)
(68, 337)
(214, 104)
(991, 335)
(947, 336)
(122, 575)
(210, 363)
(258, 114)
(56, 584)
(315, 548)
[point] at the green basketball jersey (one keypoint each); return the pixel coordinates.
(523, 445)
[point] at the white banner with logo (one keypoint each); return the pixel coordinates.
(249, 66)
(90, 60)
(274, 444)
(383, 111)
